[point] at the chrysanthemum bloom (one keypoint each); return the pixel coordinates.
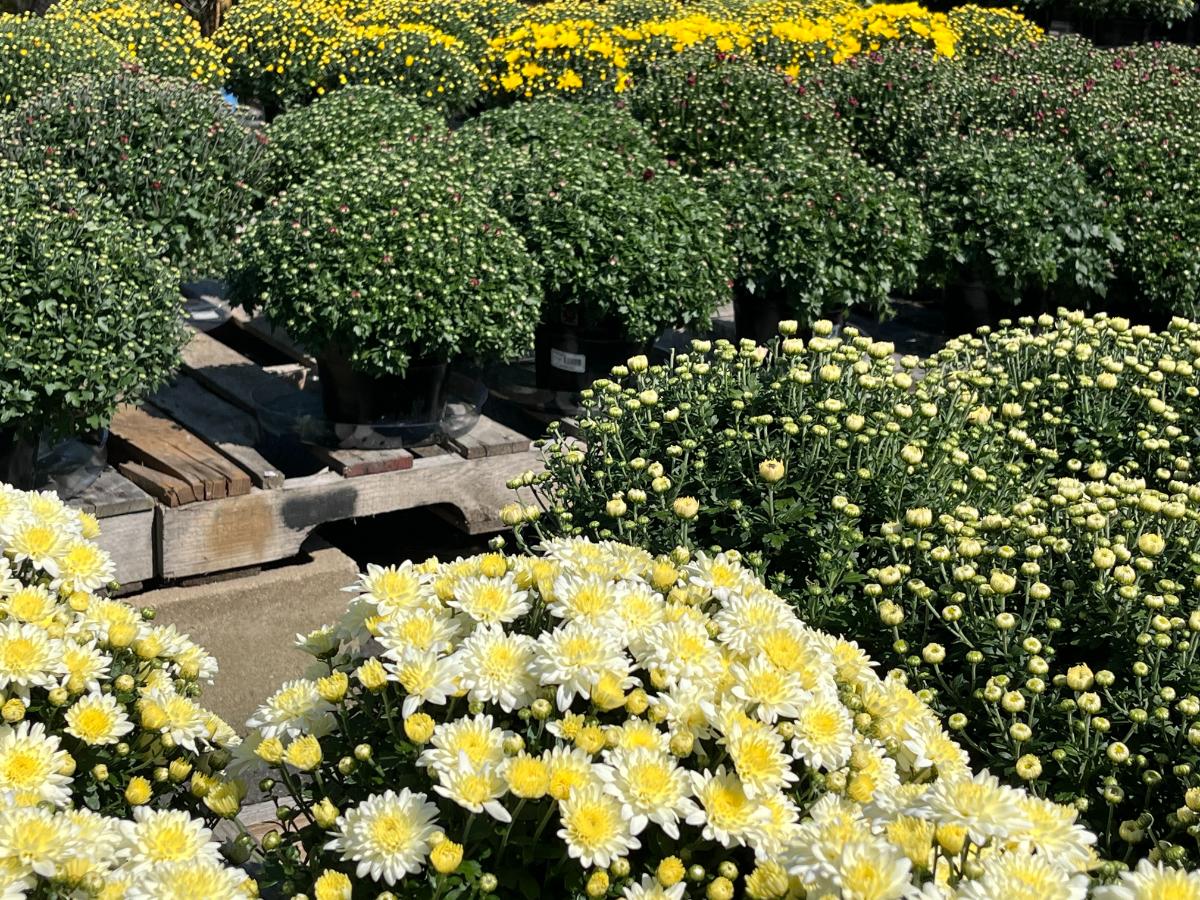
(98, 719)
(387, 835)
(32, 766)
(593, 827)
(155, 837)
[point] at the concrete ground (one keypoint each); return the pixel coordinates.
(250, 623)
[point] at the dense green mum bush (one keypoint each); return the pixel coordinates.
(617, 231)
(37, 52)
(820, 230)
(90, 316)
(172, 155)
(339, 126)
(386, 260)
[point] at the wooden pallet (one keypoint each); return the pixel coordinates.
(189, 493)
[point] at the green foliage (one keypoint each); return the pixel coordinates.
(618, 232)
(1018, 213)
(821, 230)
(339, 126)
(90, 316)
(708, 109)
(171, 155)
(388, 259)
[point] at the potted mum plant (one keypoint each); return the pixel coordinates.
(815, 233)
(388, 267)
(1014, 217)
(627, 245)
(90, 315)
(171, 154)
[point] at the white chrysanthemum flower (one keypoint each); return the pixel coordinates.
(649, 888)
(426, 678)
(634, 733)
(1054, 831)
(650, 786)
(1152, 881)
(691, 706)
(388, 835)
(874, 780)
(639, 609)
(894, 709)
(593, 827)
(294, 710)
(570, 769)
(626, 562)
(86, 666)
(929, 745)
(591, 599)
(186, 721)
(575, 656)
(980, 804)
(40, 543)
(475, 737)
(391, 589)
(721, 575)
(97, 719)
(32, 765)
(780, 828)
(421, 629)
(31, 603)
(34, 839)
(824, 732)
(47, 508)
(497, 667)
(833, 822)
(490, 600)
(189, 880)
(1022, 875)
(102, 614)
(759, 758)
(728, 815)
(155, 837)
(869, 868)
(29, 657)
(793, 648)
(476, 789)
(682, 651)
(770, 691)
(851, 664)
(193, 662)
(82, 566)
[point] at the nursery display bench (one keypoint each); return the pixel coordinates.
(188, 493)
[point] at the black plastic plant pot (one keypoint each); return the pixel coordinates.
(350, 397)
(757, 317)
(570, 357)
(18, 459)
(969, 305)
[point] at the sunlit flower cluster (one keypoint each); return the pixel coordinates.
(36, 51)
(590, 717)
(97, 707)
(160, 38)
(284, 53)
(1016, 514)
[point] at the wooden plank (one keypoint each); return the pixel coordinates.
(490, 438)
(235, 378)
(264, 526)
(227, 373)
(228, 429)
(355, 463)
(112, 495)
(129, 540)
(148, 436)
(165, 488)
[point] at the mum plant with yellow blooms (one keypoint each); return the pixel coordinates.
(597, 721)
(110, 772)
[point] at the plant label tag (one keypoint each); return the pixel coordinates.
(568, 362)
